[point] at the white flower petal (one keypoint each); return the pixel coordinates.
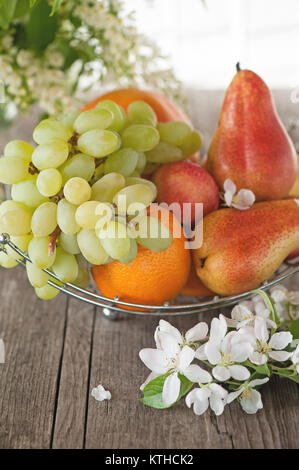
(217, 405)
(245, 198)
(200, 407)
(253, 404)
(100, 394)
(212, 352)
(185, 358)
(196, 374)
(2, 352)
(229, 191)
(295, 356)
(150, 377)
(221, 373)
(168, 344)
(280, 355)
(239, 372)
(166, 327)
(233, 395)
(294, 296)
(256, 382)
(197, 333)
(200, 353)
(280, 340)
(218, 390)
(218, 329)
(240, 351)
(241, 312)
(155, 359)
(258, 358)
(191, 397)
(260, 329)
(279, 294)
(171, 389)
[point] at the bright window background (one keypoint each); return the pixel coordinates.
(204, 43)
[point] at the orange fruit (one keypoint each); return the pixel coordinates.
(195, 287)
(152, 278)
(165, 109)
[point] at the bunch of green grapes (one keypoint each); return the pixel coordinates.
(80, 195)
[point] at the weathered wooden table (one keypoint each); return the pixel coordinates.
(57, 351)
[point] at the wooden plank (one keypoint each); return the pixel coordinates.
(69, 426)
(124, 422)
(33, 332)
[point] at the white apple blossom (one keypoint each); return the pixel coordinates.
(100, 394)
(170, 359)
(242, 200)
(211, 394)
(250, 399)
(245, 313)
(286, 302)
(197, 333)
(226, 350)
(266, 347)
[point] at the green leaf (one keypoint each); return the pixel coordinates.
(22, 8)
(152, 392)
(294, 328)
(32, 3)
(41, 28)
(289, 374)
(263, 370)
(269, 304)
(55, 6)
(7, 10)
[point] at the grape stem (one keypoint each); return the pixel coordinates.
(32, 169)
(52, 241)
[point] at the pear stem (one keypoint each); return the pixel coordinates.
(238, 67)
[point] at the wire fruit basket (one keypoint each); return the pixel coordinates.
(111, 308)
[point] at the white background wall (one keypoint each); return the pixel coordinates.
(204, 43)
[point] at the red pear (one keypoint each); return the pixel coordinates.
(250, 145)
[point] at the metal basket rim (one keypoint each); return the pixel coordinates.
(115, 305)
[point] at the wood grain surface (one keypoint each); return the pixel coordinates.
(58, 350)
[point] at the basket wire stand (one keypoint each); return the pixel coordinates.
(111, 308)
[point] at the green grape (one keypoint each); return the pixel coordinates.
(9, 205)
(104, 212)
(150, 168)
(93, 119)
(69, 243)
(7, 261)
(153, 234)
(15, 222)
(46, 292)
(106, 187)
(69, 119)
(119, 119)
(174, 132)
(85, 214)
(49, 182)
(82, 279)
(13, 170)
(98, 143)
(44, 219)
(39, 254)
(79, 165)
(66, 217)
(140, 112)
(27, 193)
(77, 190)
(114, 239)
(141, 162)
(21, 242)
(36, 276)
(192, 144)
(140, 137)
(65, 266)
(164, 153)
(18, 149)
(50, 155)
(137, 180)
(132, 253)
(128, 198)
(49, 130)
(91, 247)
(123, 161)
